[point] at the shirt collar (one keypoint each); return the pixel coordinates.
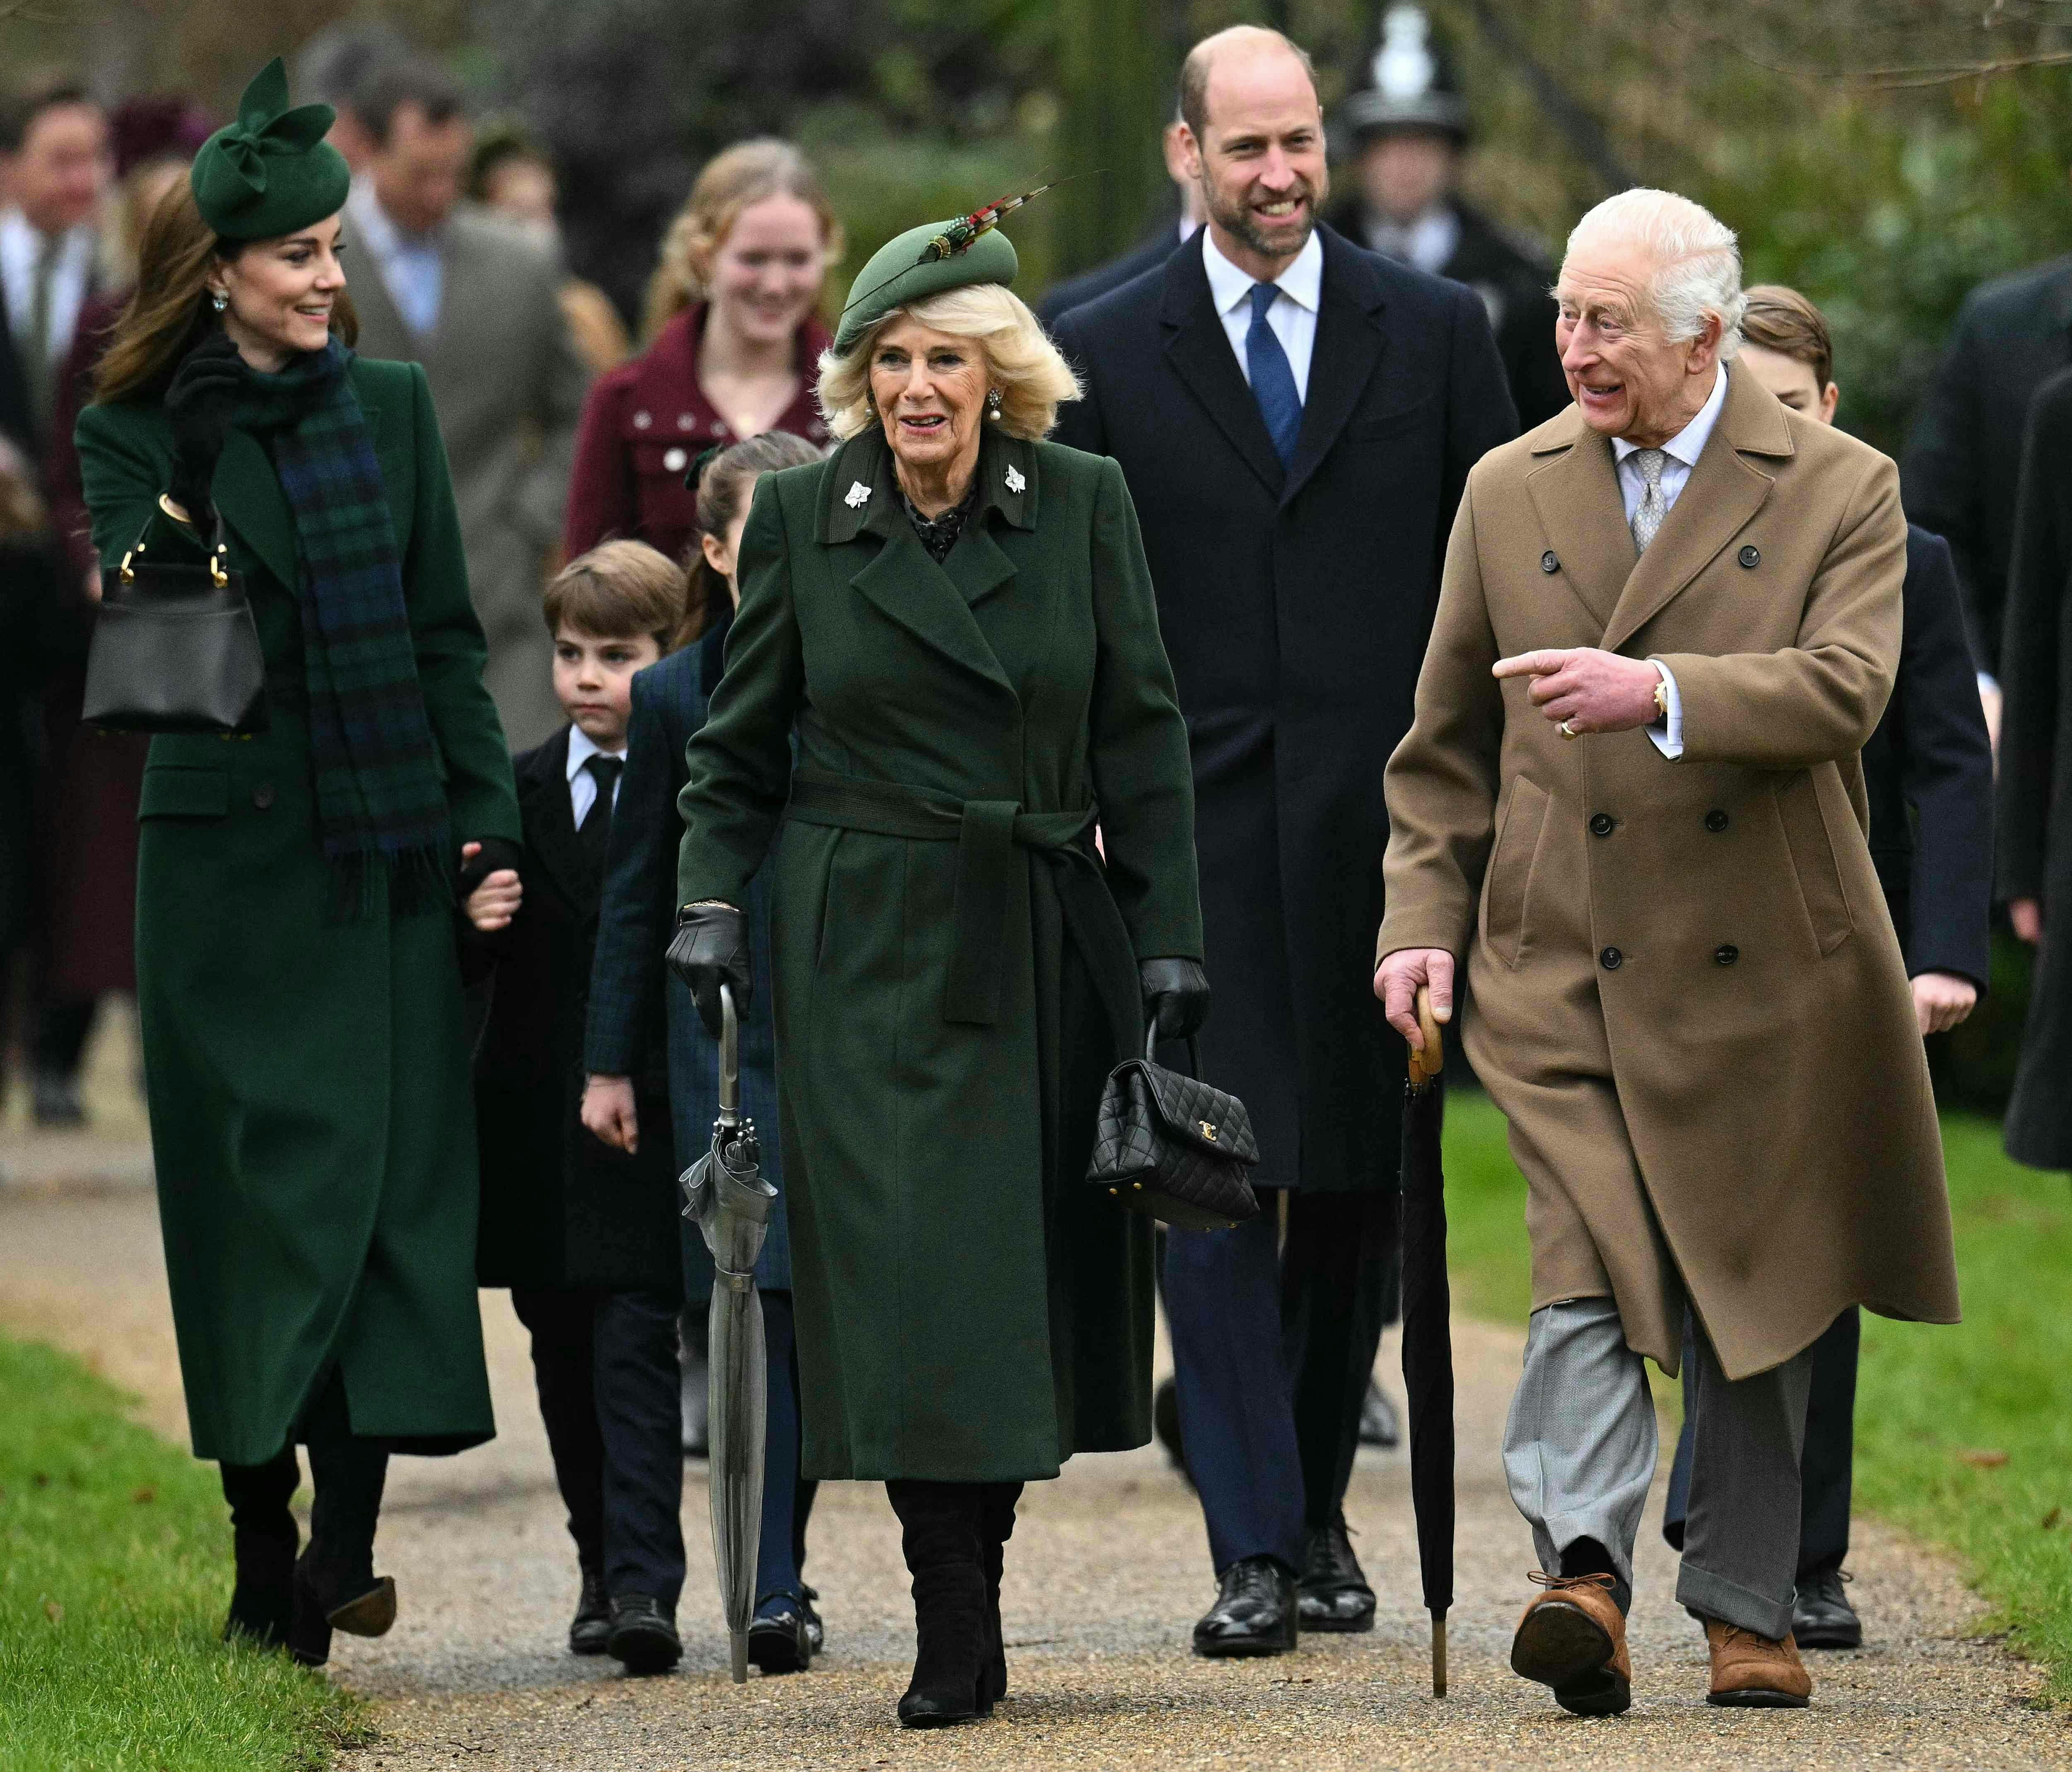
(384, 239)
(1688, 444)
(21, 236)
(1302, 282)
(582, 747)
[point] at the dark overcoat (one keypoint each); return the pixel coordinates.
(2035, 791)
(560, 1207)
(1963, 458)
(955, 965)
(311, 1121)
(1296, 606)
(632, 992)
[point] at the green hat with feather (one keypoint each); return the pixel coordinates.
(271, 171)
(922, 261)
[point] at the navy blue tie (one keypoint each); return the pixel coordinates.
(1272, 381)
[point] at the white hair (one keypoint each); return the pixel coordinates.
(1697, 261)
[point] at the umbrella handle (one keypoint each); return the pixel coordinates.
(1438, 1655)
(1428, 1064)
(730, 1058)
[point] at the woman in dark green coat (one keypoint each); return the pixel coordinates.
(305, 1050)
(957, 619)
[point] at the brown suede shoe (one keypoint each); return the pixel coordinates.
(1573, 1638)
(1755, 1673)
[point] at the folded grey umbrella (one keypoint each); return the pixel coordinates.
(725, 1196)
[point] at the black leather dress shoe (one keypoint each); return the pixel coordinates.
(1334, 1592)
(1254, 1613)
(591, 1630)
(1378, 1425)
(1821, 1617)
(778, 1639)
(643, 1635)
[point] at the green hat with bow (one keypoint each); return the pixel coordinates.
(923, 261)
(272, 171)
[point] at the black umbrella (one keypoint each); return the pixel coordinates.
(1428, 1340)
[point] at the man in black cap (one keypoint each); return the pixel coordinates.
(1406, 133)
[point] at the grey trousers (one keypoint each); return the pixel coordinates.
(1579, 1452)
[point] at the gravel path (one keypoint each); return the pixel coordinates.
(1106, 1573)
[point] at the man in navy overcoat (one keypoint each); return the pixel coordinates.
(1295, 418)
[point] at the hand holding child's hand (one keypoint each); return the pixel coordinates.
(492, 905)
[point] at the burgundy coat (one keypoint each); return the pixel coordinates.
(643, 426)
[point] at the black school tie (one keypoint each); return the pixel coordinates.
(595, 830)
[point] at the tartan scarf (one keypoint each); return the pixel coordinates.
(381, 808)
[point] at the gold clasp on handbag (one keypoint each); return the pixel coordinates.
(126, 574)
(1208, 1132)
(215, 572)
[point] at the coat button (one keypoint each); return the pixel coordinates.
(1611, 960)
(1600, 824)
(642, 421)
(686, 421)
(1550, 561)
(1716, 820)
(262, 795)
(675, 461)
(1726, 954)
(1750, 555)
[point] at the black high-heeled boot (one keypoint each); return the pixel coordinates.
(996, 1527)
(335, 1584)
(940, 1535)
(264, 1538)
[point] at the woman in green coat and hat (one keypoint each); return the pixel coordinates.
(956, 618)
(305, 1054)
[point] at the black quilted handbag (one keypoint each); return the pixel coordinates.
(1173, 1148)
(175, 650)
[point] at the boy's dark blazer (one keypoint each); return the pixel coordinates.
(559, 1208)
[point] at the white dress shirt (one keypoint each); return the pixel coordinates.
(582, 784)
(21, 251)
(1292, 316)
(412, 266)
(1429, 242)
(1683, 451)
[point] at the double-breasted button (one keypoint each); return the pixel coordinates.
(1550, 561)
(1716, 820)
(1750, 555)
(686, 421)
(642, 421)
(262, 795)
(1602, 824)
(675, 461)
(1611, 960)
(1725, 954)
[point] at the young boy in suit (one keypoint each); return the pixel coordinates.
(584, 1234)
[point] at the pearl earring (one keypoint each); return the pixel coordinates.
(218, 302)
(993, 401)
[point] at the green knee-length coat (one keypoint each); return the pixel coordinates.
(954, 967)
(311, 1121)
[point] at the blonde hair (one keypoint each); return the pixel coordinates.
(1027, 371)
(742, 174)
(617, 591)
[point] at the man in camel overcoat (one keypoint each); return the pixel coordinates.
(1630, 802)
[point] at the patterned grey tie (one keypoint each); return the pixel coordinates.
(1647, 516)
(41, 372)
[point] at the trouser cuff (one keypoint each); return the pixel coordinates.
(1713, 1596)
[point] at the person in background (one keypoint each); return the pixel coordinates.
(32, 576)
(510, 176)
(2035, 788)
(1928, 775)
(1250, 395)
(477, 301)
(90, 779)
(582, 1233)
(629, 987)
(1407, 134)
(305, 1040)
(730, 342)
(1170, 234)
(334, 66)
(55, 165)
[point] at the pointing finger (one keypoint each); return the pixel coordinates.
(1538, 664)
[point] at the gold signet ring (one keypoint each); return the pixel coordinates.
(1567, 731)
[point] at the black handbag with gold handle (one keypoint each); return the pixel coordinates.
(175, 649)
(1171, 1146)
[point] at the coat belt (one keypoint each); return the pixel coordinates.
(987, 833)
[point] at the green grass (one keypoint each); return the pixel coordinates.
(114, 1574)
(1963, 1434)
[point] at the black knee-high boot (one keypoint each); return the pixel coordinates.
(996, 1527)
(941, 1536)
(335, 1585)
(263, 1537)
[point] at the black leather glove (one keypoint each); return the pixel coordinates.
(710, 949)
(201, 402)
(1175, 996)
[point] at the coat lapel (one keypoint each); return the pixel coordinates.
(1577, 497)
(550, 822)
(247, 492)
(1722, 494)
(1349, 344)
(1199, 351)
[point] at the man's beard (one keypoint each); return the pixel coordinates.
(1237, 220)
